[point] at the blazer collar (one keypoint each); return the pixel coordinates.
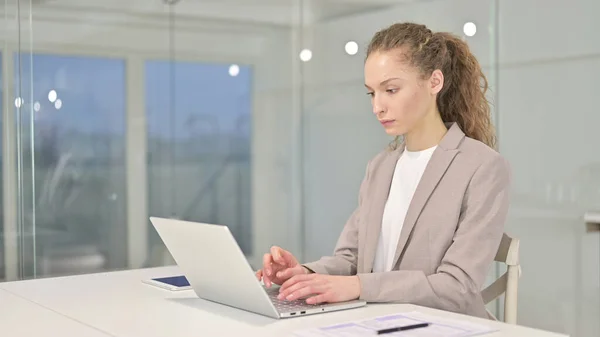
(435, 170)
(453, 137)
(450, 141)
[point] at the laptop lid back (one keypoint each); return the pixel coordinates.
(214, 264)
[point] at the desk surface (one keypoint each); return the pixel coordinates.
(20, 317)
(121, 305)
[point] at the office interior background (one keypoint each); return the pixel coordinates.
(253, 114)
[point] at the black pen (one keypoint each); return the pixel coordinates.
(403, 328)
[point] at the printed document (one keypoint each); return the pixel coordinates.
(438, 326)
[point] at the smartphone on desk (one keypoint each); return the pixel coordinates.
(173, 283)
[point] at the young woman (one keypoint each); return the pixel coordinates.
(431, 208)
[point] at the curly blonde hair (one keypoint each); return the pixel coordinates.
(462, 99)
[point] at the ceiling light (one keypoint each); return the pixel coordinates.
(351, 48)
(234, 70)
(305, 55)
(52, 96)
(469, 29)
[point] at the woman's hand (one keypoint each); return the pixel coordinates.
(317, 288)
(279, 266)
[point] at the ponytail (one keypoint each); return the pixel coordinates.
(462, 99)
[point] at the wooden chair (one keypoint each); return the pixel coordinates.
(508, 253)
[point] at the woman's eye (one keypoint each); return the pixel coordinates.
(370, 94)
(392, 91)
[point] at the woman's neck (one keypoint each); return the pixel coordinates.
(427, 135)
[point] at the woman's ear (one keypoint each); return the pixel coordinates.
(436, 82)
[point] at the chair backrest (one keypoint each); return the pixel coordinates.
(508, 283)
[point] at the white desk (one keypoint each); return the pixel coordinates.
(20, 317)
(119, 304)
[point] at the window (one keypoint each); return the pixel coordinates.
(199, 144)
(78, 172)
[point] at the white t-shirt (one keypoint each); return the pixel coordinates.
(407, 174)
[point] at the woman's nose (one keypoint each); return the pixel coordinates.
(377, 107)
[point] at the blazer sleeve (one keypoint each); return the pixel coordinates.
(458, 280)
(345, 256)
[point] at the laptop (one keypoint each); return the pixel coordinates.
(218, 271)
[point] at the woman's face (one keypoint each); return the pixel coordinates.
(400, 97)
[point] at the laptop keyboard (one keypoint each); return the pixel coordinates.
(287, 306)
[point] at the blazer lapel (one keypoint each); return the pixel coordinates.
(375, 214)
(435, 170)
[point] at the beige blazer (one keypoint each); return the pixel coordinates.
(451, 232)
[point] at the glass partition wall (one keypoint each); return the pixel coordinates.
(121, 110)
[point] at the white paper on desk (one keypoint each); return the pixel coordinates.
(438, 327)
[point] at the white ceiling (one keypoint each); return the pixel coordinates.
(115, 23)
(270, 12)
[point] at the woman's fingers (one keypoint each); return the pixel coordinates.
(303, 289)
(277, 255)
(288, 273)
(317, 299)
(267, 269)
